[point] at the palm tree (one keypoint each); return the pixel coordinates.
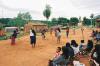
(47, 12)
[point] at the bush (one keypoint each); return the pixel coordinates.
(3, 37)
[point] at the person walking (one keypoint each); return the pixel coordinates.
(32, 38)
(82, 30)
(13, 37)
(43, 32)
(58, 35)
(67, 32)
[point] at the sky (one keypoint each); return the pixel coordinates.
(59, 8)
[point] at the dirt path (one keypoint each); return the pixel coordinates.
(23, 55)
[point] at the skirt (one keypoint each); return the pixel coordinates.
(32, 40)
(13, 40)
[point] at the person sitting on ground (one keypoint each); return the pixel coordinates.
(63, 59)
(98, 36)
(96, 54)
(89, 46)
(76, 62)
(58, 52)
(75, 46)
(57, 55)
(69, 52)
(82, 45)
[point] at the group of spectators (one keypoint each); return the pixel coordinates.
(96, 35)
(65, 55)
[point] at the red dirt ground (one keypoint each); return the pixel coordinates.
(23, 55)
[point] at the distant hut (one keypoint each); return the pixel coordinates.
(37, 26)
(98, 22)
(97, 18)
(10, 29)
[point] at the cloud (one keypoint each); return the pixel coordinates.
(66, 8)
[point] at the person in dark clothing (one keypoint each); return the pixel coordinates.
(93, 33)
(13, 38)
(73, 43)
(70, 50)
(32, 37)
(43, 33)
(96, 54)
(98, 37)
(89, 46)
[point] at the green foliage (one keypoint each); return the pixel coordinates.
(63, 21)
(4, 20)
(47, 12)
(16, 22)
(74, 20)
(3, 37)
(1, 26)
(54, 21)
(86, 21)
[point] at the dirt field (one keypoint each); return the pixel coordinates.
(23, 55)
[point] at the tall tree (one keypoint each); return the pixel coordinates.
(47, 12)
(25, 16)
(20, 20)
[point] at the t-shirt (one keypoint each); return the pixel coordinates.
(98, 36)
(77, 63)
(82, 46)
(31, 34)
(76, 49)
(57, 55)
(58, 33)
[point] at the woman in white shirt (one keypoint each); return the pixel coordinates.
(75, 46)
(32, 38)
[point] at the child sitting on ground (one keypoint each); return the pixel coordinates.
(57, 54)
(82, 47)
